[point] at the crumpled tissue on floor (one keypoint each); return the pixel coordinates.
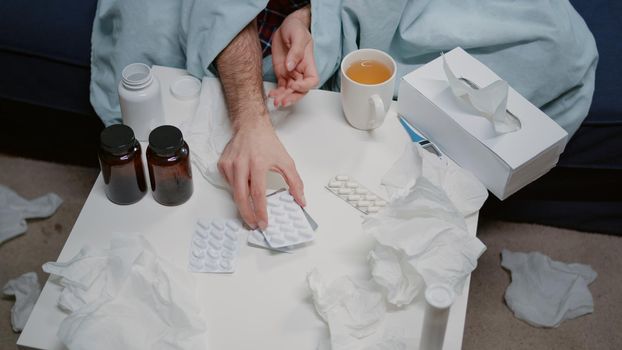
(545, 292)
(26, 289)
(14, 210)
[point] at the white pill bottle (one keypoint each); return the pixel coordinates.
(140, 100)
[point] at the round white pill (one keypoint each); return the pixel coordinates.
(362, 203)
(361, 190)
(371, 197)
(354, 197)
(342, 178)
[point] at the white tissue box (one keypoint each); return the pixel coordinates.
(504, 163)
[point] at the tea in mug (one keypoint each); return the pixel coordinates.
(369, 72)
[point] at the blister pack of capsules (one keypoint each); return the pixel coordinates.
(288, 225)
(215, 246)
(356, 194)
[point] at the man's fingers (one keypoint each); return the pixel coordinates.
(258, 194)
(292, 98)
(298, 41)
(240, 194)
(305, 84)
(225, 168)
(293, 180)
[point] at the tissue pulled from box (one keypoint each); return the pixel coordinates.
(352, 309)
(126, 297)
(489, 101)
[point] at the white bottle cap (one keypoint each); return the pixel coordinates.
(439, 296)
(186, 88)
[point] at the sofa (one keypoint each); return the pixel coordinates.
(45, 58)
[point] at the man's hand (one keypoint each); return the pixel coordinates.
(252, 152)
(292, 58)
(254, 148)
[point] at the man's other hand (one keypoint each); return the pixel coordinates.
(252, 152)
(292, 59)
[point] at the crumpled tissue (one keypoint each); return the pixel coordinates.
(126, 297)
(209, 130)
(14, 210)
(422, 233)
(545, 292)
(352, 309)
(489, 101)
(464, 190)
(26, 289)
(427, 240)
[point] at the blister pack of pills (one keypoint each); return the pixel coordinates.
(287, 223)
(257, 239)
(215, 246)
(356, 194)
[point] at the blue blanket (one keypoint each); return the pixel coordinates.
(542, 48)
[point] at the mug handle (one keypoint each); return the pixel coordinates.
(379, 112)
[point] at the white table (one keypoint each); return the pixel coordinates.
(265, 304)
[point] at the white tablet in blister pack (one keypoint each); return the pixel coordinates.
(287, 222)
(215, 246)
(356, 194)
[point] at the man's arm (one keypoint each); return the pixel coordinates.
(254, 148)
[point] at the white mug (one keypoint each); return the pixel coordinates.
(365, 105)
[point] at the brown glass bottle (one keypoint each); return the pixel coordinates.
(168, 161)
(121, 165)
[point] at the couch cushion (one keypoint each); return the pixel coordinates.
(603, 19)
(56, 30)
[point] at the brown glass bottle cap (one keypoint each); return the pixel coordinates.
(117, 139)
(165, 140)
